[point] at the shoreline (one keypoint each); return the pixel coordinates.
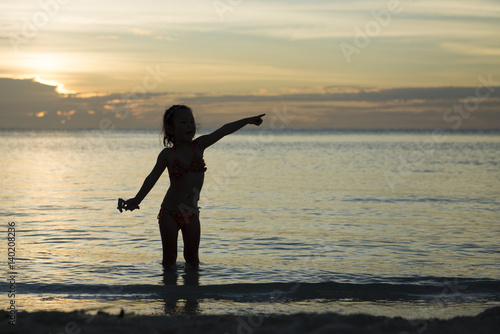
(81, 322)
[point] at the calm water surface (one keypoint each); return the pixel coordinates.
(339, 207)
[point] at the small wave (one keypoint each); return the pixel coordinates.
(414, 199)
(400, 290)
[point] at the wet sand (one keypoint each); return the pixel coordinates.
(79, 322)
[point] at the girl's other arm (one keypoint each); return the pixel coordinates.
(150, 181)
(210, 139)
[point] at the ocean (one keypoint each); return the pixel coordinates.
(396, 223)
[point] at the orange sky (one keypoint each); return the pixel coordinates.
(361, 64)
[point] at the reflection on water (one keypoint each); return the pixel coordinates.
(177, 305)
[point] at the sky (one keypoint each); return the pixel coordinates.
(324, 64)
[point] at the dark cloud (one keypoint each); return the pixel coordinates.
(368, 95)
(21, 101)
(26, 103)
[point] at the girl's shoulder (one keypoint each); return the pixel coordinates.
(197, 145)
(166, 155)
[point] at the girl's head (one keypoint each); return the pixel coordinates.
(178, 124)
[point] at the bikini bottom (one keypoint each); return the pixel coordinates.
(181, 218)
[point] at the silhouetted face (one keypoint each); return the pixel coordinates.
(184, 126)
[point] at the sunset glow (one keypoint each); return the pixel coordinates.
(173, 51)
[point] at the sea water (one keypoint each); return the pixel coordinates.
(382, 222)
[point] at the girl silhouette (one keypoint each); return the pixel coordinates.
(183, 157)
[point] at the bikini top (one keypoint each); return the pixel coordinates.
(179, 169)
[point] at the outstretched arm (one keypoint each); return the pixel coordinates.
(210, 139)
(150, 181)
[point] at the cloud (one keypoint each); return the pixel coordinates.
(296, 20)
(101, 36)
(258, 44)
(165, 37)
(472, 50)
(25, 103)
(357, 107)
(141, 32)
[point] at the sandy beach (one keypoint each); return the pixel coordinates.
(79, 322)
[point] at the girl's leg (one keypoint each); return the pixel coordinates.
(191, 237)
(169, 233)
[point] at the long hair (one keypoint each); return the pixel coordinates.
(168, 120)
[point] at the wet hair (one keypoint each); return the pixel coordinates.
(168, 120)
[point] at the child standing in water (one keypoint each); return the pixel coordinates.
(183, 157)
